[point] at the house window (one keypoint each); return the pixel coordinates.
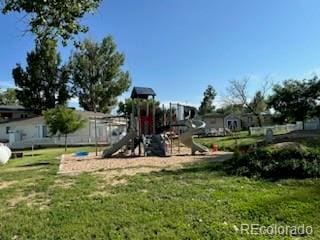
(7, 130)
(249, 119)
(44, 131)
(21, 115)
(100, 131)
(41, 131)
(232, 124)
(38, 132)
(6, 115)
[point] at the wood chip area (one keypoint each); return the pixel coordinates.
(74, 165)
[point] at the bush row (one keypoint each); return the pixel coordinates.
(276, 163)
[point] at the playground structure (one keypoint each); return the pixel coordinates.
(155, 131)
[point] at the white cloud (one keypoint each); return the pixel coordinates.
(218, 101)
(74, 102)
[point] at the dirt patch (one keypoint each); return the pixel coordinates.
(64, 183)
(114, 171)
(23, 168)
(118, 176)
(7, 184)
(114, 178)
(33, 199)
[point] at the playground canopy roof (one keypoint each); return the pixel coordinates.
(142, 92)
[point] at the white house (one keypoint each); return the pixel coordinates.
(218, 120)
(235, 122)
(24, 133)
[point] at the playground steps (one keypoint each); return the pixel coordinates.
(154, 146)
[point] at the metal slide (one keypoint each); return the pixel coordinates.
(116, 147)
(187, 137)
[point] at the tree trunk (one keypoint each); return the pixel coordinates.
(65, 142)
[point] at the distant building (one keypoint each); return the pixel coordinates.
(219, 120)
(33, 131)
(250, 120)
(234, 121)
(14, 112)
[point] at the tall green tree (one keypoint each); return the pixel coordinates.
(125, 107)
(295, 100)
(63, 121)
(52, 19)
(43, 84)
(8, 97)
(97, 75)
(206, 105)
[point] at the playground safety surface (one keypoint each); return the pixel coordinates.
(128, 165)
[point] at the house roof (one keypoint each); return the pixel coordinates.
(215, 115)
(23, 121)
(142, 92)
(91, 114)
(221, 115)
(232, 115)
(12, 108)
(251, 114)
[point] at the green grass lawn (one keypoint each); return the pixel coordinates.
(230, 142)
(197, 202)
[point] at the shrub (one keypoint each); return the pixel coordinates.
(276, 163)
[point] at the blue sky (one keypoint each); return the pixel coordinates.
(178, 47)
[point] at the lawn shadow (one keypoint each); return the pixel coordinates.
(33, 155)
(37, 164)
(204, 165)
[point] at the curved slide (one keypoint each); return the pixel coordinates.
(116, 147)
(187, 137)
